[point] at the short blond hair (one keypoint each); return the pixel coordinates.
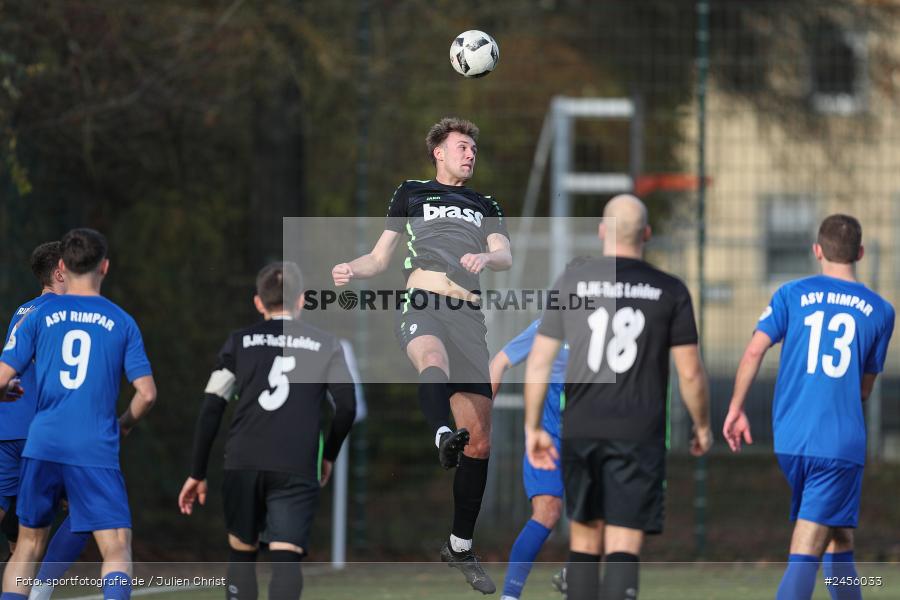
(440, 130)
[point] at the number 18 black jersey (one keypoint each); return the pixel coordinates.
(618, 330)
(278, 372)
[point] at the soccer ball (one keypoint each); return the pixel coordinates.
(474, 53)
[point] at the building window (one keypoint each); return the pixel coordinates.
(790, 232)
(839, 80)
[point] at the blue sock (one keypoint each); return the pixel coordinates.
(116, 586)
(11, 596)
(799, 579)
(840, 565)
(522, 556)
(64, 549)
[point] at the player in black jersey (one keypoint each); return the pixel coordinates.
(619, 329)
(453, 234)
(278, 372)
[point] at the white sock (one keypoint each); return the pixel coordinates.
(41, 592)
(508, 598)
(459, 544)
(437, 437)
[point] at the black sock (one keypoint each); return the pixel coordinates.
(434, 397)
(241, 576)
(583, 576)
(620, 578)
(468, 489)
(287, 578)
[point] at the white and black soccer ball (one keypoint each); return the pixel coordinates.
(474, 53)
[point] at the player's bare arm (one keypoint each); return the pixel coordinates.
(497, 258)
(737, 427)
(143, 400)
(538, 443)
(694, 386)
(368, 265)
(499, 365)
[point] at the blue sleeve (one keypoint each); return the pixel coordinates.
(517, 349)
(20, 344)
(774, 319)
(878, 352)
(136, 362)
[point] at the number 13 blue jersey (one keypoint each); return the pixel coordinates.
(833, 331)
(81, 346)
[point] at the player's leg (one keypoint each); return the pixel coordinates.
(582, 478)
(244, 504)
(546, 511)
(634, 500)
(98, 503)
(545, 488)
(623, 550)
(116, 571)
(839, 566)
(291, 503)
(64, 549)
(9, 524)
(22, 564)
(824, 495)
(471, 413)
(583, 566)
(40, 489)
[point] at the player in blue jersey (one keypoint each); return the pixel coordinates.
(81, 343)
(543, 487)
(835, 333)
(15, 417)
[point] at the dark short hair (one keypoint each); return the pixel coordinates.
(840, 237)
(279, 285)
(45, 260)
(83, 250)
(440, 130)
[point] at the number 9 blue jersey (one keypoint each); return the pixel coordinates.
(833, 331)
(81, 345)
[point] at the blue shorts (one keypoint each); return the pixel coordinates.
(97, 497)
(10, 462)
(542, 482)
(824, 490)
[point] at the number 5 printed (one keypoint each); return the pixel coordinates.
(272, 400)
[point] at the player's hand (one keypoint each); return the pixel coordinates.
(701, 441)
(540, 449)
(341, 274)
(474, 263)
(192, 490)
(327, 467)
(14, 391)
(736, 429)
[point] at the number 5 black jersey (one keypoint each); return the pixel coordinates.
(619, 330)
(277, 372)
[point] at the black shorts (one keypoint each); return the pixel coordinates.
(269, 506)
(460, 326)
(620, 482)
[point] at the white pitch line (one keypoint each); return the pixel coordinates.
(147, 591)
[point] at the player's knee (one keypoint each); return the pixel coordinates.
(547, 510)
(842, 540)
(479, 447)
